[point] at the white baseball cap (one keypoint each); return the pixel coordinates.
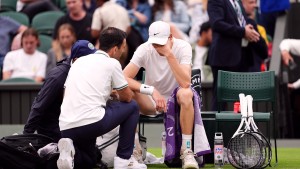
(159, 32)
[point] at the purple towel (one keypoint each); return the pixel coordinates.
(173, 130)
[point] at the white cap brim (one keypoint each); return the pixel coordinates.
(158, 40)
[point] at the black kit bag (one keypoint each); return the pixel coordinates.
(20, 151)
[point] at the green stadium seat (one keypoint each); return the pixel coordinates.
(18, 79)
(62, 5)
(8, 5)
(45, 22)
(45, 43)
(17, 16)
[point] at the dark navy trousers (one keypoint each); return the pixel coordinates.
(84, 137)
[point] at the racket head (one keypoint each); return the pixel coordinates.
(266, 150)
(244, 150)
(264, 142)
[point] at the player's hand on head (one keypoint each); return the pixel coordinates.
(164, 50)
(160, 101)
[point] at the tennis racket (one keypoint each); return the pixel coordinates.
(266, 155)
(243, 148)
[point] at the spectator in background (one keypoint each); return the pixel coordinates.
(26, 62)
(231, 32)
(255, 52)
(198, 13)
(175, 13)
(9, 28)
(201, 52)
(269, 11)
(109, 14)
(61, 47)
(45, 109)
(288, 47)
(78, 18)
(90, 6)
(140, 17)
(33, 7)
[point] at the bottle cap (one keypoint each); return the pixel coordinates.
(218, 136)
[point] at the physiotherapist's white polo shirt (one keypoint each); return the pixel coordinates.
(88, 87)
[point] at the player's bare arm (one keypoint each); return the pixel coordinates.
(130, 72)
(125, 94)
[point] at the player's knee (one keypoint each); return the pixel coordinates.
(185, 95)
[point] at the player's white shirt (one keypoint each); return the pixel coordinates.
(88, 87)
(24, 65)
(158, 71)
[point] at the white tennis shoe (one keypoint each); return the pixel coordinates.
(131, 163)
(67, 152)
(188, 160)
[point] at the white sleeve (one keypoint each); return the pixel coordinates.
(186, 54)
(118, 80)
(138, 57)
(8, 63)
(296, 84)
(96, 22)
(41, 71)
(290, 45)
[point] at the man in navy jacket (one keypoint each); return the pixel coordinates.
(45, 109)
(231, 32)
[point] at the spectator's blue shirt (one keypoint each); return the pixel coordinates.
(179, 16)
(8, 28)
(143, 8)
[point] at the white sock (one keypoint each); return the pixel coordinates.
(136, 136)
(137, 145)
(186, 142)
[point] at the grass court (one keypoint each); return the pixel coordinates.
(289, 158)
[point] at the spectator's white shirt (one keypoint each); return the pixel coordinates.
(292, 46)
(22, 64)
(199, 63)
(158, 71)
(87, 89)
(110, 14)
(198, 17)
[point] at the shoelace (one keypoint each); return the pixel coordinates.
(189, 155)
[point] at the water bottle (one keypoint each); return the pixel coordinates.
(163, 143)
(218, 150)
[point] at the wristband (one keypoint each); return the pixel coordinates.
(146, 89)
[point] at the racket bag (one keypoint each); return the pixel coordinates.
(20, 152)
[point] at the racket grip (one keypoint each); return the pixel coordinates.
(250, 105)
